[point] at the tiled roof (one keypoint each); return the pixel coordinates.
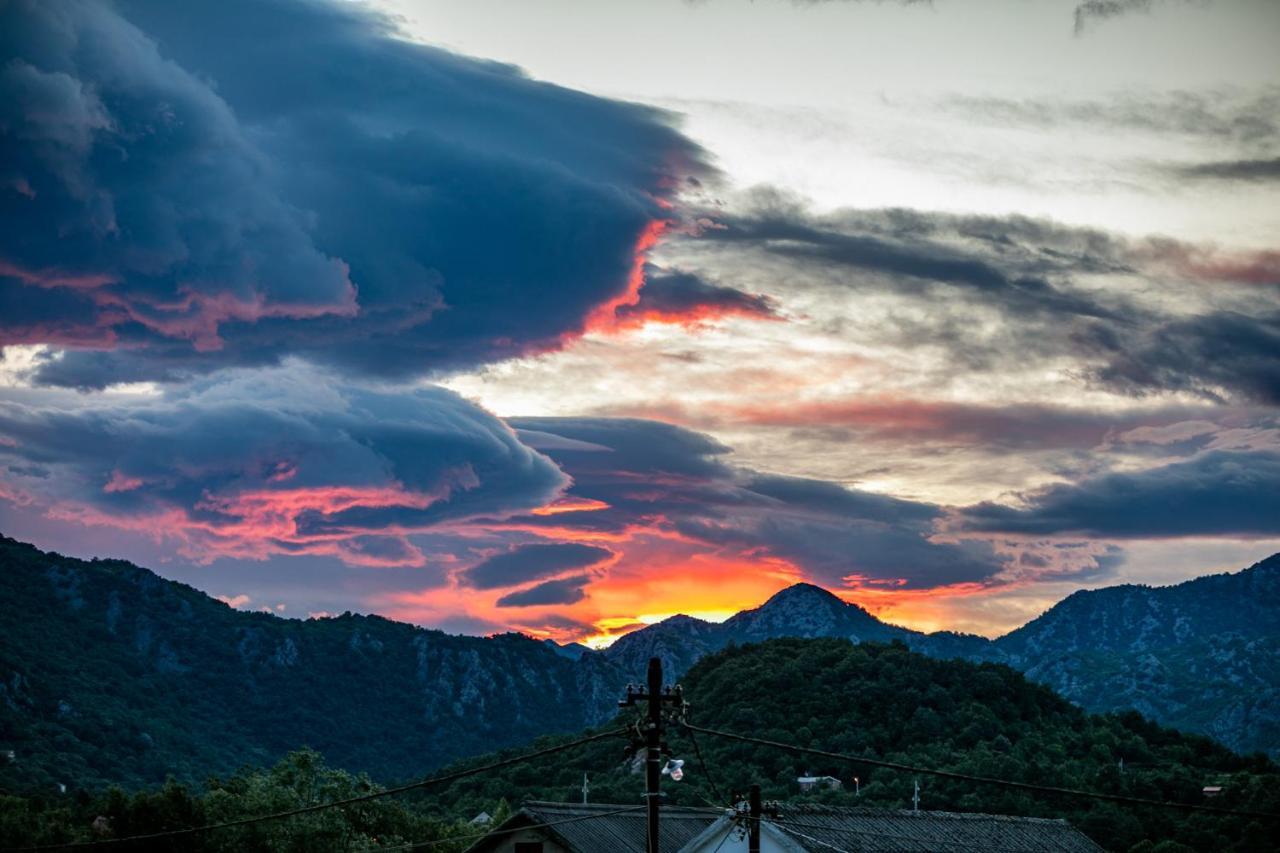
(614, 833)
(821, 829)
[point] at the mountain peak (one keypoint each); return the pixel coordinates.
(807, 593)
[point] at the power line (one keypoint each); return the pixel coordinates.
(411, 845)
(388, 792)
(817, 841)
(784, 822)
(702, 765)
(984, 780)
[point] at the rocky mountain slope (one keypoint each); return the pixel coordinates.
(885, 701)
(1201, 656)
(110, 674)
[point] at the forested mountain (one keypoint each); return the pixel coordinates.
(1203, 656)
(873, 700)
(887, 702)
(110, 674)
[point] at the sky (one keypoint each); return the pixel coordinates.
(564, 317)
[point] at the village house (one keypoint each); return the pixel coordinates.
(540, 827)
(811, 783)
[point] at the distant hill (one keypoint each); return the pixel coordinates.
(1203, 656)
(110, 674)
(886, 702)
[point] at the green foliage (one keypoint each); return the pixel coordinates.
(110, 675)
(301, 779)
(889, 703)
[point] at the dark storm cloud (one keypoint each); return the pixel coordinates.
(1220, 493)
(564, 591)
(1012, 262)
(217, 183)
(1266, 169)
(1039, 278)
(277, 462)
(674, 481)
(531, 562)
(1205, 355)
(678, 296)
(626, 446)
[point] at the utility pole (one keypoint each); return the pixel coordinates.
(915, 798)
(655, 696)
(753, 820)
(585, 788)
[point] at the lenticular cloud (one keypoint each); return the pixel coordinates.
(275, 462)
(208, 184)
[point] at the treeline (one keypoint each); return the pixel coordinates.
(110, 674)
(880, 701)
(300, 780)
(886, 702)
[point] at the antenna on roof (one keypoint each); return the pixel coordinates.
(915, 798)
(585, 788)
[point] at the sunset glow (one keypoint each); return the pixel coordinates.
(488, 322)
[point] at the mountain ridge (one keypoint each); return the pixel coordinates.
(111, 674)
(1198, 655)
(133, 677)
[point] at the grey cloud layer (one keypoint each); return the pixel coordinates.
(206, 184)
(1219, 493)
(1057, 292)
(281, 461)
(684, 487)
(531, 562)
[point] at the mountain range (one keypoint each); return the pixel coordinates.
(111, 674)
(1202, 656)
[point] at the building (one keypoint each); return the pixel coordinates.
(593, 828)
(599, 828)
(810, 783)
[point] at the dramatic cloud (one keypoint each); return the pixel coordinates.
(169, 213)
(1235, 170)
(531, 562)
(655, 479)
(1219, 493)
(1208, 355)
(1000, 294)
(683, 298)
(277, 462)
(564, 591)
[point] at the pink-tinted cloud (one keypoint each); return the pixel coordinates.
(279, 463)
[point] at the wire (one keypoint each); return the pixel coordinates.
(706, 772)
(823, 843)
(730, 830)
(412, 845)
(985, 780)
(388, 792)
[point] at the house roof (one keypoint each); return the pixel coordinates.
(592, 827)
(819, 829)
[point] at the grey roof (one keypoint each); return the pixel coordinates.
(615, 833)
(822, 829)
